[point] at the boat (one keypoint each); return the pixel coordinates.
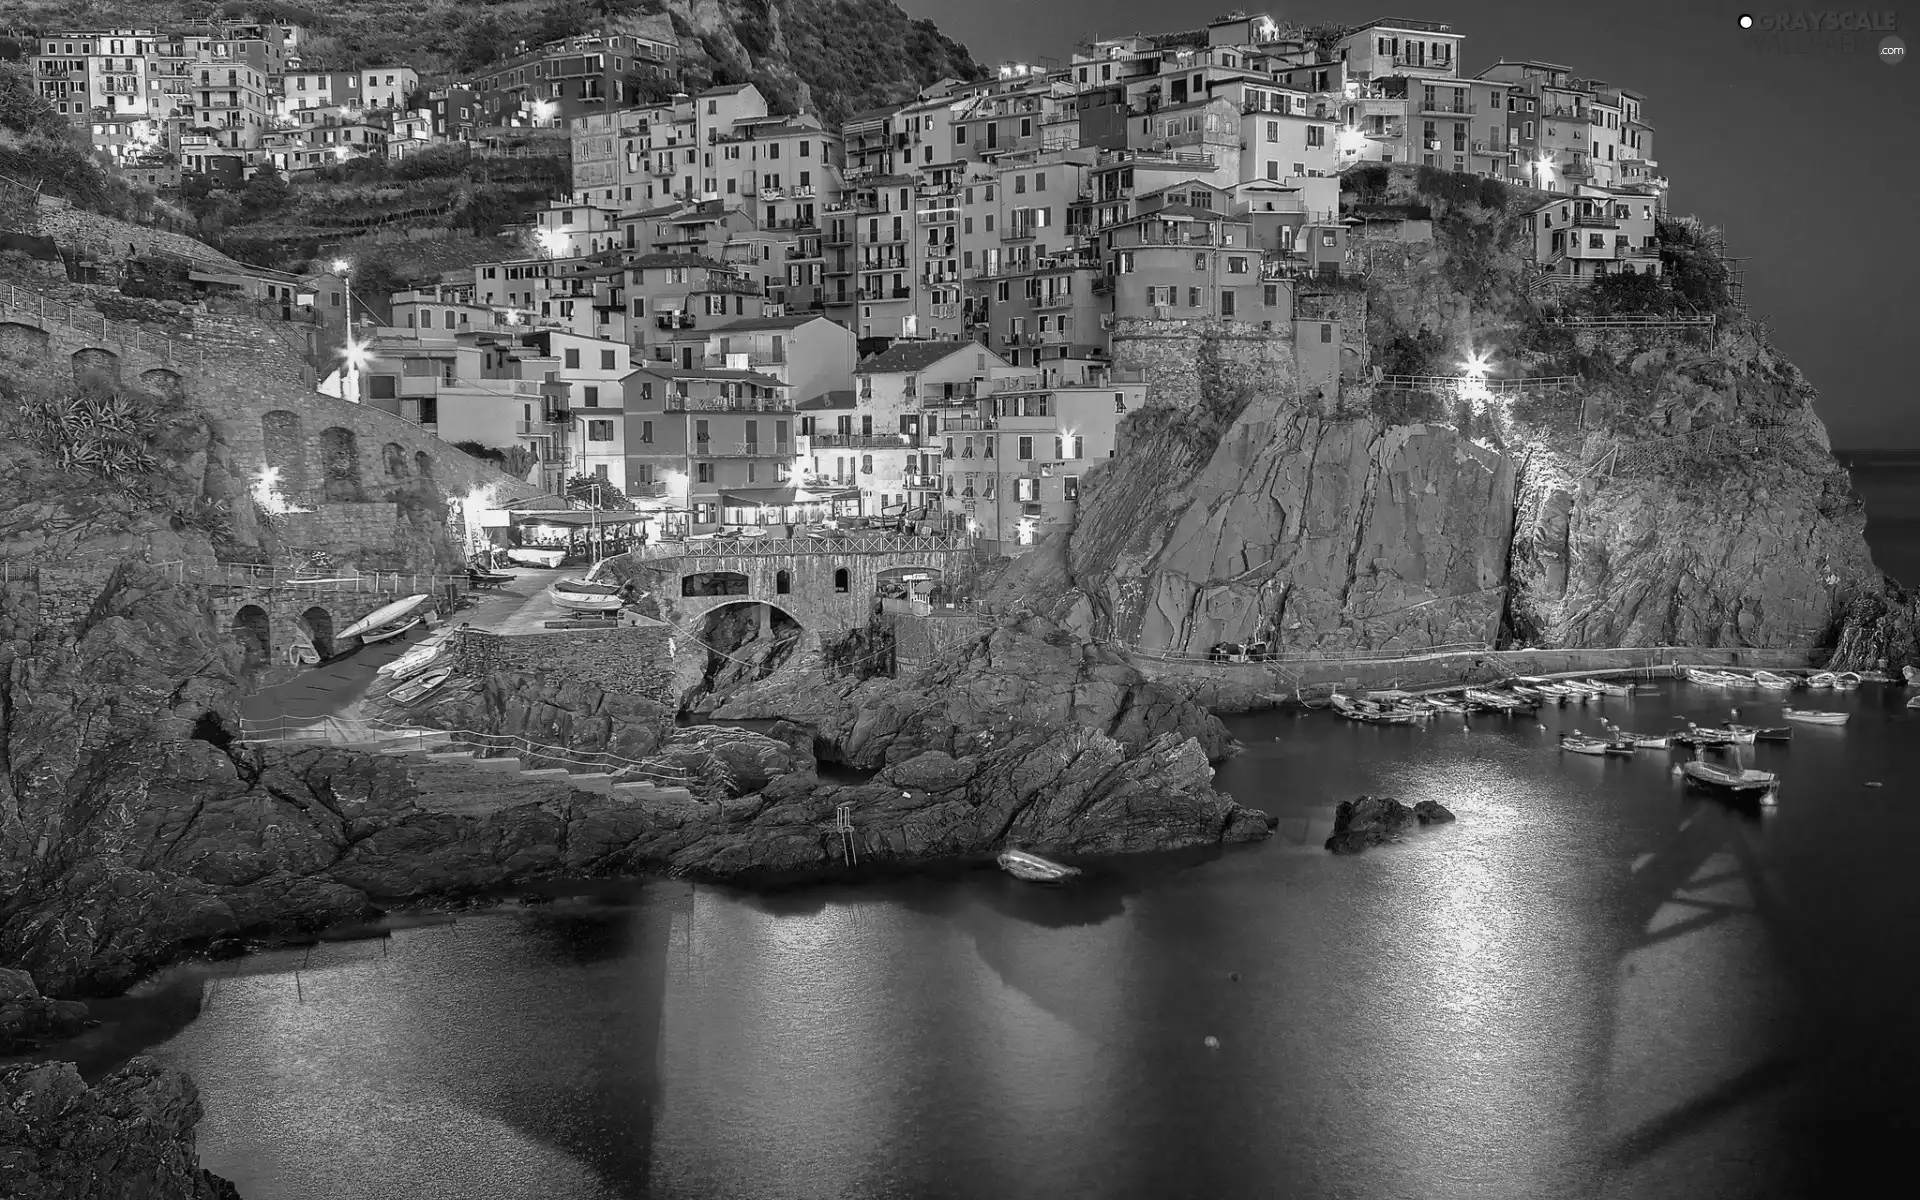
(1912, 675)
(1875, 677)
(1488, 699)
(1914, 702)
(587, 602)
(1579, 743)
(1778, 683)
(389, 632)
(1847, 681)
(1611, 689)
(482, 578)
(1814, 716)
(1644, 741)
(528, 556)
(1585, 687)
(1758, 733)
(1739, 735)
(1695, 735)
(412, 662)
(414, 689)
(1446, 704)
(1820, 681)
(1745, 783)
(1033, 868)
(1708, 678)
(586, 586)
(381, 618)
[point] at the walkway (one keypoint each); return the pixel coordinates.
(328, 689)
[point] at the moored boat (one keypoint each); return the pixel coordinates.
(1912, 675)
(412, 662)
(1743, 783)
(1914, 702)
(382, 619)
(583, 601)
(1612, 689)
(1644, 741)
(1705, 677)
(389, 632)
(1814, 716)
(1504, 702)
(1034, 869)
(414, 689)
(1777, 683)
(587, 587)
(1847, 681)
(1579, 743)
(1739, 735)
(1820, 680)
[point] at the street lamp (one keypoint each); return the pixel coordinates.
(355, 355)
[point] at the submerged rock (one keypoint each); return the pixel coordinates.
(1374, 820)
(130, 1137)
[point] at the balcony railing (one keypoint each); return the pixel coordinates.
(1558, 112)
(860, 441)
(923, 483)
(712, 449)
(1596, 221)
(762, 404)
(966, 425)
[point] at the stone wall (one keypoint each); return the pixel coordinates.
(1184, 359)
(76, 229)
(278, 351)
(918, 637)
(628, 662)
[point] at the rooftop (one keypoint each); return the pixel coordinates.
(825, 400)
(749, 324)
(911, 356)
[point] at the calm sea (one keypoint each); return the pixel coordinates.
(1593, 985)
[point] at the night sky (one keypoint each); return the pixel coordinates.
(1807, 160)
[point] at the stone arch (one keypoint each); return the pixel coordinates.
(317, 624)
(285, 449)
(339, 464)
(96, 365)
(714, 583)
(782, 582)
(162, 382)
(423, 464)
(22, 341)
(394, 457)
(252, 629)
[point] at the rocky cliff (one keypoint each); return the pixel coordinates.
(1671, 486)
(129, 1137)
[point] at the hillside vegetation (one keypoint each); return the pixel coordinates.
(830, 57)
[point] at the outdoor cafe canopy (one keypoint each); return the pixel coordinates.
(782, 497)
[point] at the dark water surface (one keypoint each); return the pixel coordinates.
(1593, 985)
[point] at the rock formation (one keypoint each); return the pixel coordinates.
(1376, 820)
(28, 1019)
(129, 1137)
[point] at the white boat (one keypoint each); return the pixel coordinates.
(1777, 683)
(1494, 699)
(527, 556)
(1820, 681)
(1610, 689)
(412, 662)
(1912, 675)
(585, 602)
(1814, 716)
(1914, 702)
(1033, 868)
(1847, 681)
(1579, 743)
(1702, 676)
(1643, 741)
(380, 618)
(588, 587)
(414, 689)
(1738, 735)
(389, 632)
(1745, 783)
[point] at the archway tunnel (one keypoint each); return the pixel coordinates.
(254, 633)
(743, 642)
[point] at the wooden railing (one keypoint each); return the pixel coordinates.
(1497, 387)
(866, 542)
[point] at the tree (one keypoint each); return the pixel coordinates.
(591, 489)
(266, 193)
(24, 111)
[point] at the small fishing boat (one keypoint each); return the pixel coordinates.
(1914, 702)
(1446, 704)
(1847, 681)
(1579, 743)
(1499, 700)
(412, 662)
(389, 620)
(1644, 741)
(477, 577)
(527, 556)
(1814, 716)
(1583, 686)
(414, 689)
(1739, 735)
(1611, 689)
(1912, 675)
(1759, 733)
(1705, 677)
(1033, 868)
(1696, 735)
(1772, 682)
(587, 587)
(583, 601)
(1741, 783)
(1820, 681)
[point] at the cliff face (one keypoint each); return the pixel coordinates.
(1675, 488)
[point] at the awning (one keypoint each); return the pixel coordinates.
(780, 497)
(581, 519)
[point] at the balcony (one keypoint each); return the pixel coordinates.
(662, 167)
(1561, 112)
(923, 483)
(1595, 221)
(712, 449)
(1402, 62)
(1446, 110)
(1054, 302)
(538, 428)
(1386, 133)
(1488, 148)
(674, 321)
(1577, 170)
(860, 441)
(1147, 235)
(763, 404)
(966, 425)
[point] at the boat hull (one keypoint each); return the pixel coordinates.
(1034, 869)
(1814, 717)
(416, 689)
(584, 603)
(389, 632)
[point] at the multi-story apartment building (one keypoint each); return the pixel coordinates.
(229, 79)
(456, 113)
(1387, 47)
(872, 144)
(1181, 260)
(567, 230)
(1638, 168)
(387, 87)
(1568, 133)
(876, 445)
(588, 384)
(576, 75)
(811, 354)
(712, 446)
(113, 70)
(297, 90)
(1581, 238)
(872, 256)
(1013, 448)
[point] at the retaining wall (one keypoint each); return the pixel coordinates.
(627, 662)
(1183, 360)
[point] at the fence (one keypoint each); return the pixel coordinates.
(52, 312)
(1659, 455)
(1449, 384)
(388, 735)
(248, 575)
(1278, 660)
(1635, 321)
(852, 543)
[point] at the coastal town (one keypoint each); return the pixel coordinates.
(931, 316)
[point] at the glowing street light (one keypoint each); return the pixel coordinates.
(543, 110)
(340, 266)
(552, 241)
(1473, 379)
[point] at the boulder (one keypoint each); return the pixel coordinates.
(1373, 820)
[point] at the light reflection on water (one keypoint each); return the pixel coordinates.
(1573, 991)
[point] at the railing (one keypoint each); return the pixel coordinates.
(1595, 221)
(1635, 321)
(1448, 384)
(859, 441)
(1282, 659)
(214, 573)
(53, 313)
(720, 404)
(388, 734)
(965, 425)
(1447, 109)
(743, 450)
(816, 544)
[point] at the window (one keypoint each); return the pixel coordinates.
(606, 360)
(1316, 135)
(841, 580)
(382, 387)
(1273, 131)
(1025, 488)
(599, 431)
(573, 359)
(590, 397)
(782, 582)
(1236, 266)
(1226, 302)
(703, 472)
(866, 464)
(1193, 297)
(1024, 449)
(1070, 487)
(1271, 295)
(646, 432)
